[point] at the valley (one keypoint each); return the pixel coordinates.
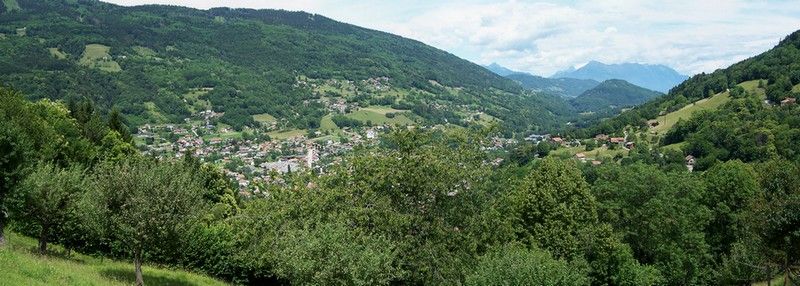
(168, 145)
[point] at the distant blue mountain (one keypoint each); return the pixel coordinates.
(499, 70)
(655, 77)
(567, 87)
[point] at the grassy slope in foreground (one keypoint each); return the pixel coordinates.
(667, 121)
(20, 265)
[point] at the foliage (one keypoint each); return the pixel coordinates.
(661, 217)
(143, 204)
(614, 95)
(47, 201)
(516, 265)
(553, 207)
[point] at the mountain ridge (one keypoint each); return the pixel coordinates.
(500, 70)
(567, 87)
(655, 77)
(168, 62)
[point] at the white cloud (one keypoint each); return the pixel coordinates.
(542, 37)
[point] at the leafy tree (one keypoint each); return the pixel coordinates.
(776, 218)
(115, 148)
(145, 204)
(518, 265)
(115, 123)
(45, 201)
(731, 189)
(553, 208)
(661, 216)
(33, 132)
(13, 151)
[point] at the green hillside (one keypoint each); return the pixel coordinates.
(666, 121)
(21, 265)
(144, 60)
(613, 95)
(779, 68)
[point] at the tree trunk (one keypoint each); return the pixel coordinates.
(43, 240)
(2, 230)
(137, 262)
(786, 270)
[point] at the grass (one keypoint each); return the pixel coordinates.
(144, 51)
(486, 119)
(55, 52)
(98, 56)
(667, 121)
(597, 153)
(327, 124)
(20, 265)
(796, 88)
(264, 118)
(223, 136)
(377, 114)
(11, 5)
(344, 91)
(677, 146)
(193, 101)
(281, 135)
(155, 113)
(777, 281)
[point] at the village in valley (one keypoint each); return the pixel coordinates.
(259, 155)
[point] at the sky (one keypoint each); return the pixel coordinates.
(543, 37)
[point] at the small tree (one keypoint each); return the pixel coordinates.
(116, 123)
(517, 265)
(45, 200)
(145, 204)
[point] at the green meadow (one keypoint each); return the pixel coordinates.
(99, 57)
(20, 264)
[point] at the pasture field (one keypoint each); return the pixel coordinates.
(597, 153)
(98, 56)
(55, 52)
(377, 115)
(264, 118)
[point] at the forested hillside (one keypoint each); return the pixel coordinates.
(151, 61)
(612, 95)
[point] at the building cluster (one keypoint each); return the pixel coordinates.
(249, 162)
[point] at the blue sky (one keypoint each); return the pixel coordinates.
(543, 37)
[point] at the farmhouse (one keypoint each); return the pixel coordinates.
(617, 140)
(788, 101)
